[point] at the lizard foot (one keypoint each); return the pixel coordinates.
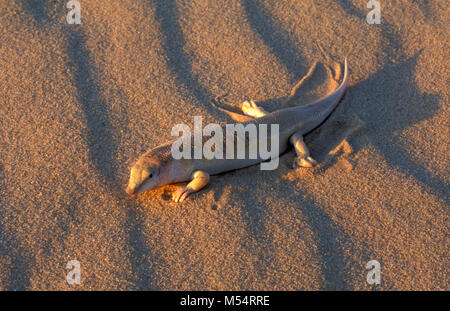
(301, 161)
(250, 109)
(181, 194)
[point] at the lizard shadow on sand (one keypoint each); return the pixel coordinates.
(392, 102)
(326, 230)
(101, 143)
(396, 110)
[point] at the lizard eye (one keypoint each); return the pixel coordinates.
(149, 173)
(146, 174)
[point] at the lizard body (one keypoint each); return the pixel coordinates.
(157, 167)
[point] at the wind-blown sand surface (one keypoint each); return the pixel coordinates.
(80, 103)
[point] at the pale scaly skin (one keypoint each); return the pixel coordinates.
(157, 168)
(303, 159)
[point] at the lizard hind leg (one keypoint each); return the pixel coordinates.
(303, 158)
(250, 109)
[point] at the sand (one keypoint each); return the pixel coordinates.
(79, 104)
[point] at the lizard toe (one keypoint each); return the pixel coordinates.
(304, 162)
(246, 107)
(181, 194)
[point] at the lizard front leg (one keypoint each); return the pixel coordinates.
(199, 180)
(303, 158)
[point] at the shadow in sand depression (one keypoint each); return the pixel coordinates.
(37, 9)
(16, 260)
(351, 9)
(330, 239)
(15, 263)
(328, 233)
(391, 46)
(275, 38)
(427, 9)
(101, 144)
(178, 61)
(102, 152)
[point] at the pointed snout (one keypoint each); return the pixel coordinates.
(130, 191)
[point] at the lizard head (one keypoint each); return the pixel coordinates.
(144, 175)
